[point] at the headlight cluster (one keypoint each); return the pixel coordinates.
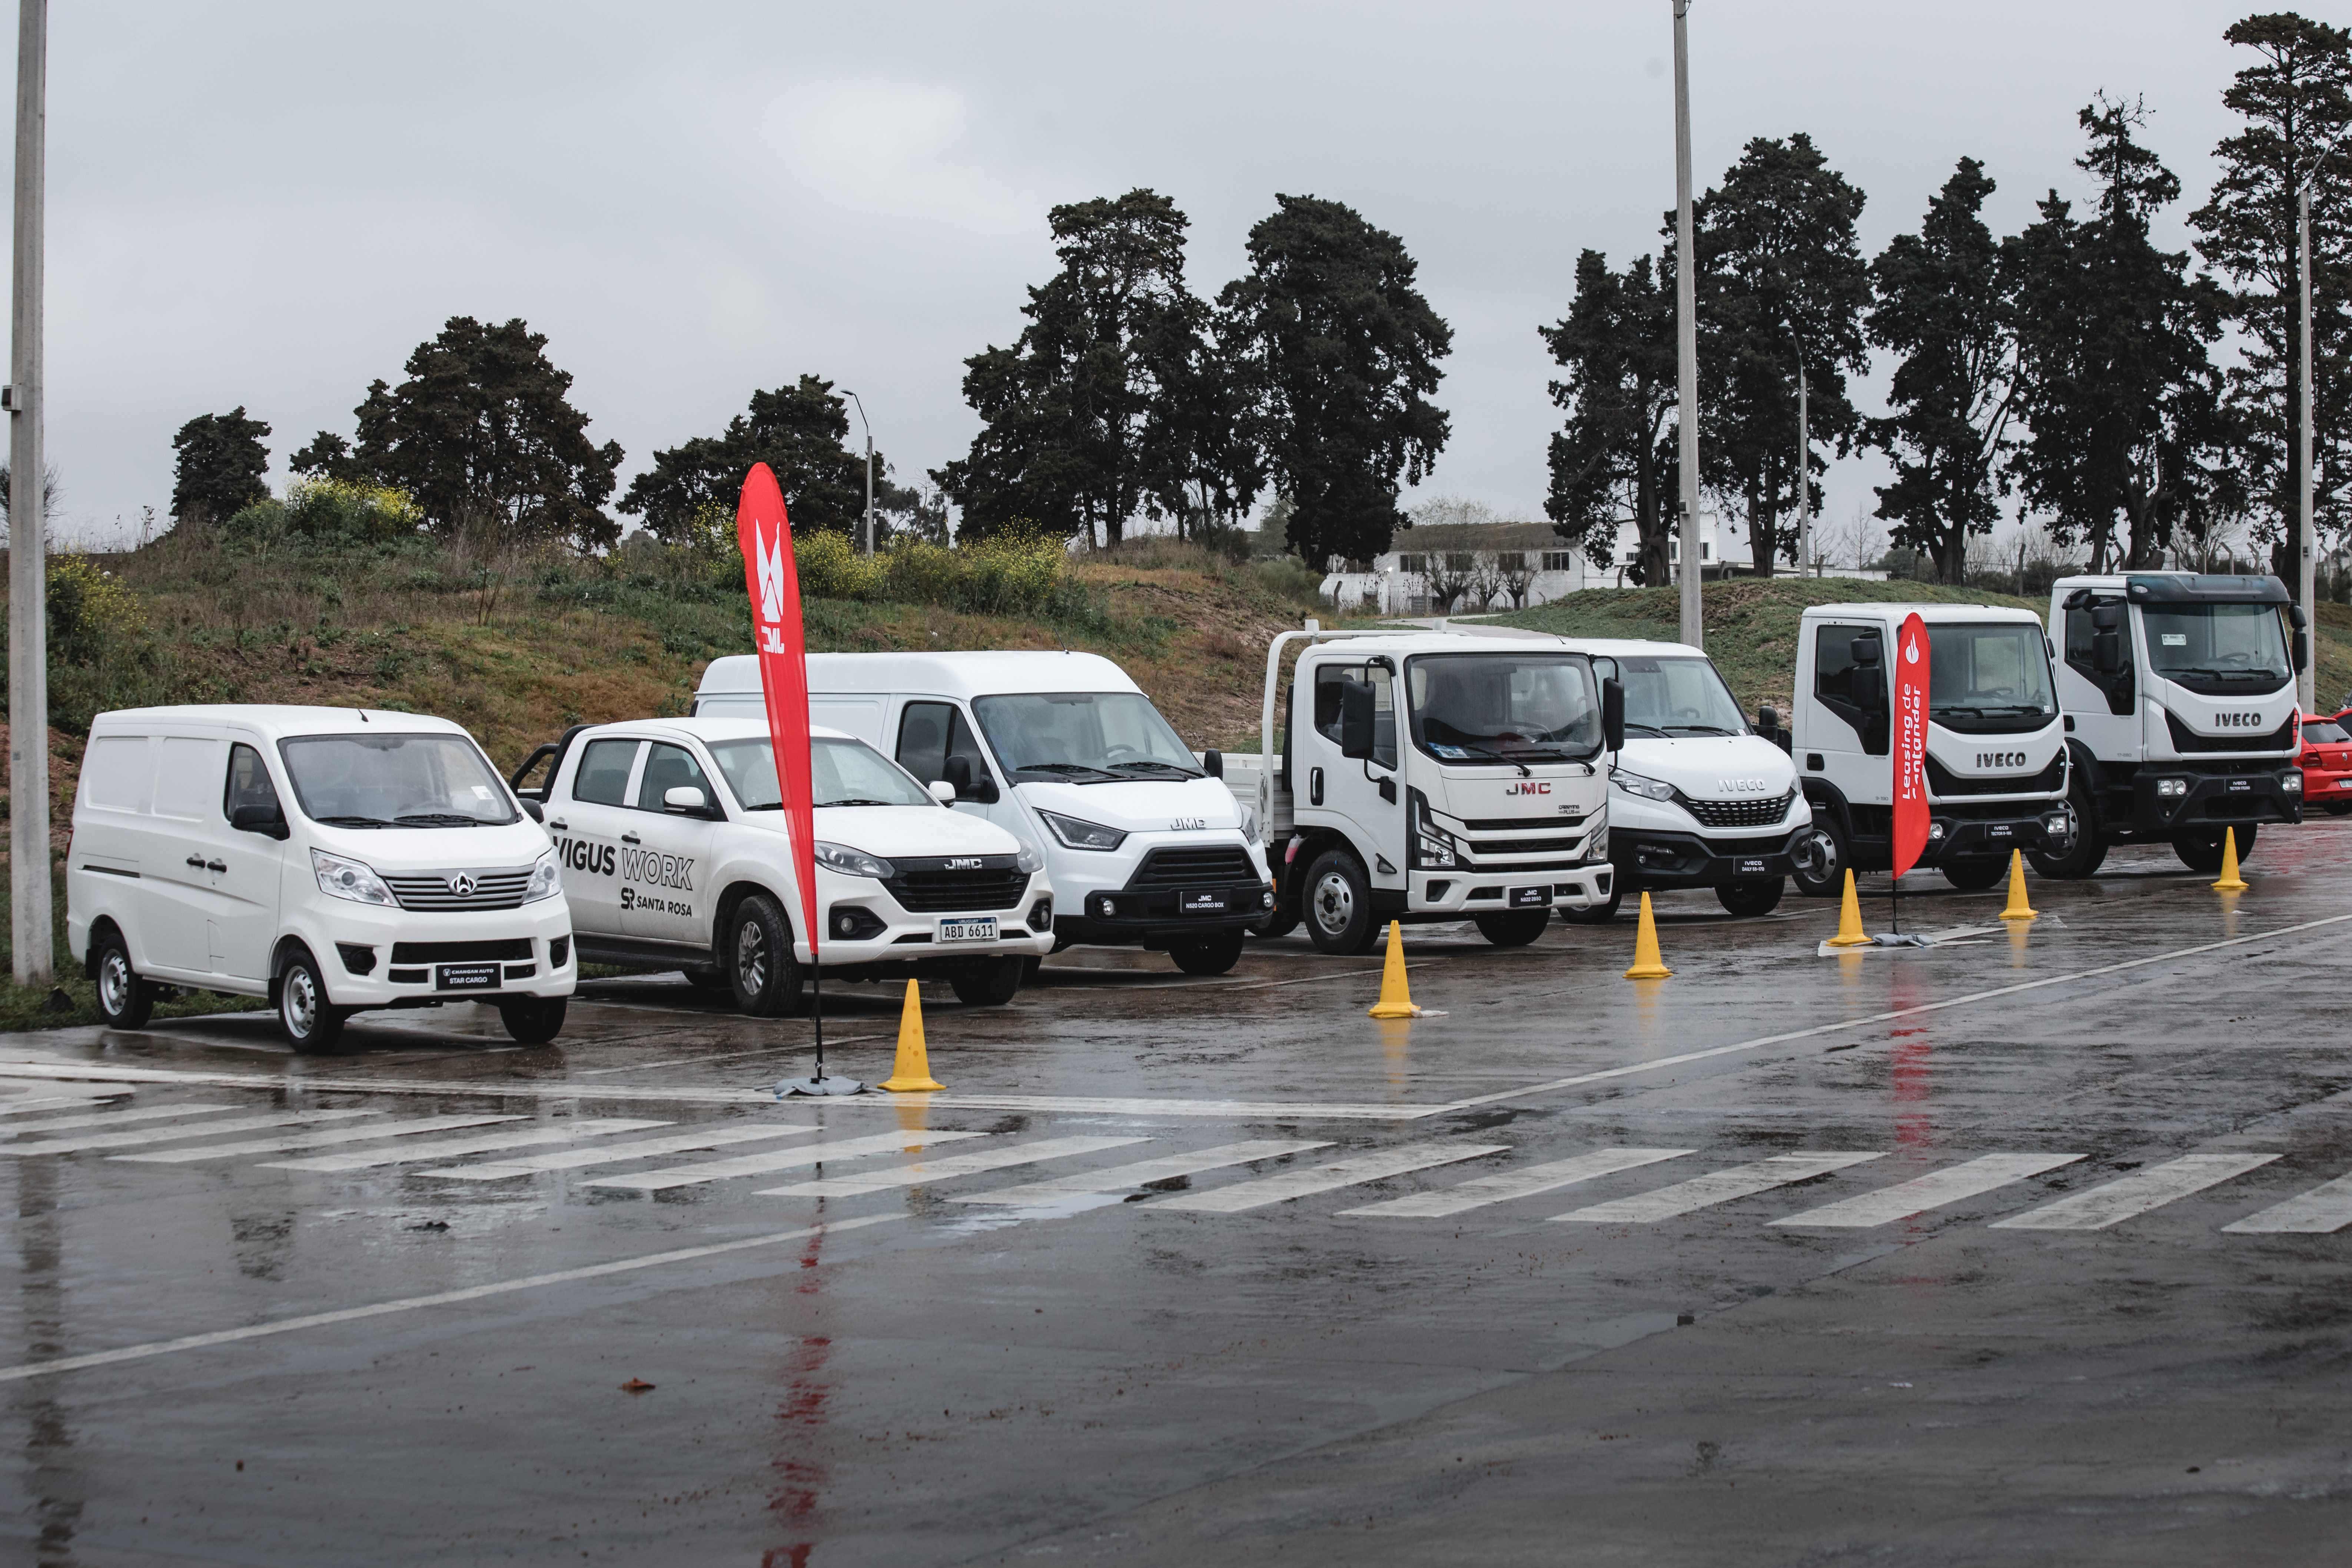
(1029, 861)
(1647, 788)
(546, 879)
(1431, 844)
(2171, 789)
(2291, 782)
(341, 878)
(1249, 823)
(851, 862)
(1077, 835)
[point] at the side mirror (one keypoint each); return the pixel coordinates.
(969, 784)
(2107, 651)
(267, 820)
(1865, 650)
(2296, 618)
(2302, 650)
(1612, 714)
(1356, 722)
(1213, 763)
(685, 800)
(1768, 719)
(2106, 617)
(941, 791)
(531, 808)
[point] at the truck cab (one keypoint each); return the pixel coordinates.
(2178, 692)
(1432, 776)
(1997, 758)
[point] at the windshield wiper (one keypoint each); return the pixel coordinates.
(853, 800)
(1524, 770)
(1644, 728)
(354, 822)
(2224, 674)
(440, 819)
(1066, 770)
(1163, 767)
(1704, 729)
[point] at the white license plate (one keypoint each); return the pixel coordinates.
(2344, 784)
(969, 931)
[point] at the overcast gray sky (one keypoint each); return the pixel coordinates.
(270, 204)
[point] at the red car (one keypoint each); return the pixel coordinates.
(2327, 762)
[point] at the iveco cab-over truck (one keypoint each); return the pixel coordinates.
(1996, 751)
(2178, 691)
(1432, 776)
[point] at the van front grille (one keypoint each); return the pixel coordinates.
(459, 952)
(438, 890)
(1185, 868)
(1739, 813)
(931, 886)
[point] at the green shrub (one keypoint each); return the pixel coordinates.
(91, 612)
(831, 568)
(327, 512)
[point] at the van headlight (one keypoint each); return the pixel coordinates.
(546, 879)
(341, 878)
(1029, 862)
(851, 862)
(1647, 788)
(1433, 846)
(1077, 835)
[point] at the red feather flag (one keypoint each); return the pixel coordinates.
(765, 534)
(1912, 657)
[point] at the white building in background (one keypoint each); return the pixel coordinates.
(1460, 568)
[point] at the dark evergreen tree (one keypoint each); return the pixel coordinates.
(1615, 457)
(328, 457)
(800, 431)
(1340, 352)
(219, 468)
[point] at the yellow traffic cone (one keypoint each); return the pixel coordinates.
(2230, 881)
(911, 1073)
(1396, 1002)
(1849, 931)
(2019, 910)
(1648, 964)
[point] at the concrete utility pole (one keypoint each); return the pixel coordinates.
(868, 526)
(29, 625)
(1686, 334)
(2306, 570)
(1804, 476)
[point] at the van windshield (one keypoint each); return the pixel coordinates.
(1082, 737)
(1504, 707)
(1989, 679)
(396, 781)
(841, 773)
(1674, 697)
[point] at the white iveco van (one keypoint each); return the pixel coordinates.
(675, 855)
(330, 858)
(1145, 844)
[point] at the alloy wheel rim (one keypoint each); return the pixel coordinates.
(751, 957)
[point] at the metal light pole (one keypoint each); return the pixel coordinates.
(869, 466)
(28, 639)
(2305, 568)
(1805, 476)
(1687, 334)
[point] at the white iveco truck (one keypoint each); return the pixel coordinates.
(2178, 691)
(1432, 776)
(1996, 750)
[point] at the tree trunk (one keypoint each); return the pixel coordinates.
(1762, 531)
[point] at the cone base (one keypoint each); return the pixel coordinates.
(2240, 885)
(1649, 972)
(1850, 941)
(1396, 1010)
(2020, 915)
(895, 1085)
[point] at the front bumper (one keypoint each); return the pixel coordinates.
(405, 953)
(871, 928)
(1492, 891)
(2239, 792)
(1154, 917)
(1665, 861)
(1962, 830)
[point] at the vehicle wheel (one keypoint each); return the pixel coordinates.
(1283, 919)
(124, 1000)
(1825, 877)
(2201, 851)
(1757, 895)
(1338, 904)
(1974, 873)
(706, 977)
(1513, 928)
(988, 983)
(1029, 968)
(760, 964)
(533, 1020)
(1211, 955)
(309, 1021)
(2339, 807)
(1601, 913)
(2090, 843)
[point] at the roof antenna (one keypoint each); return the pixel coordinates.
(363, 713)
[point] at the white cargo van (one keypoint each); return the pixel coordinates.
(1145, 844)
(330, 858)
(675, 855)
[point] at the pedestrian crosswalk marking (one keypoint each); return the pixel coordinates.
(1718, 1187)
(779, 1160)
(109, 1119)
(313, 1140)
(1505, 1185)
(2135, 1193)
(1932, 1191)
(925, 1171)
(568, 1131)
(1142, 1173)
(61, 1101)
(1285, 1186)
(717, 1135)
(132, 1138)
(2323, 1211)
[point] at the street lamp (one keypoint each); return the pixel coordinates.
(1685, 334)
(869, 467)
(2306, 573)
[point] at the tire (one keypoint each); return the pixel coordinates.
(992, 982)
(707, 977)
(1337, 904)
(1283, 920)
(2090, 841)
(1974, 873)
(2337, 807)
(1600, 913)
(534, 1020)
(1029, 968)
(1513, 928)
(1211, 955)
(124, 1001)
(306, 1016)
(1757, 895)
(2201, 852)
(1825, 878)
(761, 968)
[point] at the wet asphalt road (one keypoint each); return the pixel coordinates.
(382, 1307)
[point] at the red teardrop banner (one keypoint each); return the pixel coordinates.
(765, 535)
(1912, 653)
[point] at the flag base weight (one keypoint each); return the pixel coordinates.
(830, 1085)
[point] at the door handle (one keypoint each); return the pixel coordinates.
(1315, 787)
(558, 824)
(631, 838)
(215, 864)
(197, 861)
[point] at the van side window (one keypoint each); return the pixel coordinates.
(248, 783)
(931, 732)
(1331, 679)
(603, 775)
(667, 768)
(1855, 693)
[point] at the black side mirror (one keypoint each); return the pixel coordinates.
(1213, 763)
(969, 785)
(1768, 719)
(531, 808)
(2107, 651)
(2302, 650)
(1612, 714)
(2296, 618)
(267, 820)
(1356, 721)
(2106, 617)
(1865, 650)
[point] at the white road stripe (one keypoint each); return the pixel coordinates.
(922, 1173)
(1142, 1173)
(1932, 1191)
(779, 1160)
(2323, 1210)
(1505, 1185)
(716, 1135)
(570, 1130)
(314, 1140)
(2135, 1193)
(1716, 1187)
(61, 1101)
(112, 1119)
(1287, 1184)
(177, 1135)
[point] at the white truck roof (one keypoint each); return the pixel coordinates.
(275, 720)
(1931, 613)
(959, 675)
(1408, 643)
(706, 731)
